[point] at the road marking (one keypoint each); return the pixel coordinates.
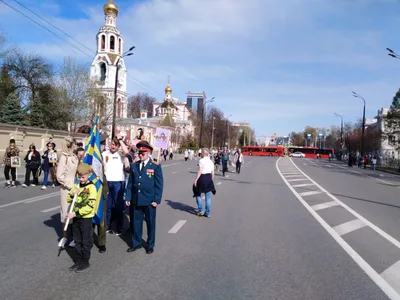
(177, 226)
(348, 227)
(227, 176)
(303, 184)
(329, 166)
(310, 193)
(289, 176)
(219, 183)
(297, 179)
(33, 198)
(42, 197)
(324, 205)
(171, 165)
(378, 279)
(297, 173)
(392, 275)
(50, 209)
(174, 173)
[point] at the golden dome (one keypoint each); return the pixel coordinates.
(168, 89)
(111, 8)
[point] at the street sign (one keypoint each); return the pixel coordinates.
(309, 136)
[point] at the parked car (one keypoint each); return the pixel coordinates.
(297, 154)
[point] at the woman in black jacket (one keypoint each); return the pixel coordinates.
(32, 160)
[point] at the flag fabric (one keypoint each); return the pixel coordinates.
(93, 158)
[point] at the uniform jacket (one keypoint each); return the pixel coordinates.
(145, 186)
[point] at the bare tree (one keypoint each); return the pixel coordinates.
(138, 102)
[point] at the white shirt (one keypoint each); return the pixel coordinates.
(206, 165)
(113, 166)
(145, 163)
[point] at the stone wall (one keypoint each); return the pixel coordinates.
(24, 136)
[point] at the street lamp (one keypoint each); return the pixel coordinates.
(212, 133)
(127, 53)
(363, 123)
(392, 53)
(341, 129)
(227, 128)
(202, 119)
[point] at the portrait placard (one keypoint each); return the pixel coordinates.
(52, 157)
(15, 162)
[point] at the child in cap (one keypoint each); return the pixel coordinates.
(82, 213)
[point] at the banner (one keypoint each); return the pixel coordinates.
(161, 138)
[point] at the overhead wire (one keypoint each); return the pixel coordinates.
(139, 84)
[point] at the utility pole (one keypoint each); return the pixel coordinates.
(363, 123)
(212, 133)
(202, 120)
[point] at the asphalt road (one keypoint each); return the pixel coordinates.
(265, 240)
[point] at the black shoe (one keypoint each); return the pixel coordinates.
(150, 251)
(74, 267)
(102, 249)
(133, 249)
(82, 267)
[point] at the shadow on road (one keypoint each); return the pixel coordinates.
(366, 200)
(181, 206)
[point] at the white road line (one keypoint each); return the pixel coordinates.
(171, 165)
(227, 176)
(292, 173)
(329, 166)
(177, 226)
(378, 279)
(290, 176)
(392, 275)
(324, 205)
(174, 173)
(33, 198)
(303, 184)
(50, 209)
(42, 197)
(297, 179)
(348, 227)
(219, 183)
(310, 193)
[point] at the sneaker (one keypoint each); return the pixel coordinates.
(24, 185)
(118, 233)
(33, 184)
(53, 186)
(200, 213)
(110, 231)
(207, 215)
(7, 185)
(74, 267)
(44, 187)
(72, 244)
(12, 186)
(62, 242)
(82, 267)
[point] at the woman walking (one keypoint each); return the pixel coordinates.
(32, 160)
(204, 183)
(49, 165)
(11, 152)
(66, 175)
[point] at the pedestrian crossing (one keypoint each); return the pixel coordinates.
(328, 210)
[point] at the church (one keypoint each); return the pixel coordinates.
(170, 113)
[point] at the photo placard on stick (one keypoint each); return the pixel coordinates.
(52, 157)
(15, 162)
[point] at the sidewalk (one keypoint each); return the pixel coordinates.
(378, 168)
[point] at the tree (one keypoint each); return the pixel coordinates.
(392, 122)
(297, 138)
(12, 113)
(373, 140)
(138, 102)
(313, 132)
(6, 85)
(29, 72)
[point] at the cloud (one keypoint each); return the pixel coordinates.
(278, 64)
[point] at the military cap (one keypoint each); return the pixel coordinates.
(144, 146)
(103, 138)
(84, 169)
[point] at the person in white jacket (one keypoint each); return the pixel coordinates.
(239, 160)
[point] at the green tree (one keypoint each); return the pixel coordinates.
(36, 113)
(12, 113)
(392, 122)
(297, 139)
(6, 85)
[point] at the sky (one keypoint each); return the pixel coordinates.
(278, 64)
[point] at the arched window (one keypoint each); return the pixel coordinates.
(103, 71)
(112, 43)
(119, 46)
(103, 42)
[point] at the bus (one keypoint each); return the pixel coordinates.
(263, 150)
(312, 152)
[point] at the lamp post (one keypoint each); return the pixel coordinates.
(127, 53)
(393, 53)
(227, 129)
(341, 129)
(202, 120)
(363, 123)
(212, 132)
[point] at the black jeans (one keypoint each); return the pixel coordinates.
(28, 176)
(238, 165)
(7, 170)
(83, 236)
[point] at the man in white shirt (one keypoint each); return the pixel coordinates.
(113, 162)
(238, 160)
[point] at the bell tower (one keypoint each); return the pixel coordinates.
(110, 46)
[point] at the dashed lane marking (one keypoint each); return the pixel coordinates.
(174, 173)
(219, 183)
(177, 226)
(303, 184)
(310, 193)
(348, 227)
(389, 280)
(37, 198)
(50, 209)
(324, 205)
(297, 179)
(291, 176)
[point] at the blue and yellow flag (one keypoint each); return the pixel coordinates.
(93, 158)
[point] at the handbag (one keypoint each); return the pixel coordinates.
(38, 172)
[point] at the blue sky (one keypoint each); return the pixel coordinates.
(278, 64)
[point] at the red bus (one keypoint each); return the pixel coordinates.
(312, 152)
(263, 150)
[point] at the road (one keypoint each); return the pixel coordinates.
(265, 239)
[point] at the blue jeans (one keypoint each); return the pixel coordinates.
(208, 203)
(116, 204)
(45, 178)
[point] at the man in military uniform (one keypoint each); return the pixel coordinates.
(144, 193)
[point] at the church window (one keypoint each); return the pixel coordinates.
(103, 42)
(112, 43)
(119, 46)
(103, 71)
